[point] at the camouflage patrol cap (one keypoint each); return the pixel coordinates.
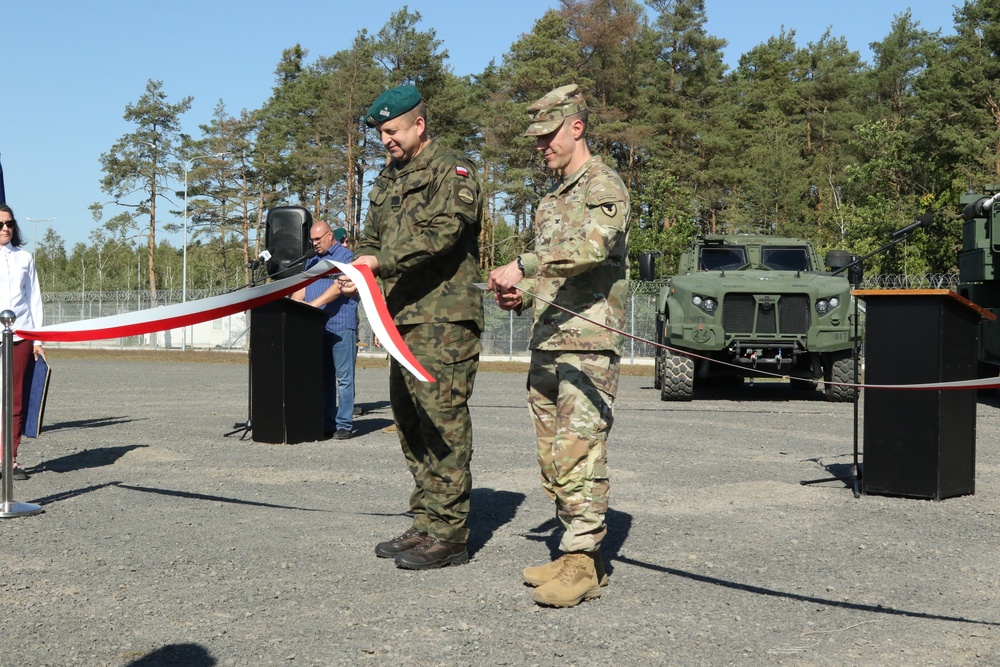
(393, 102)
(548, 113)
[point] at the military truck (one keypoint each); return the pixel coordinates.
(979, 270)
(742, 304)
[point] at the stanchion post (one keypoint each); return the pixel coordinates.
(9, 508)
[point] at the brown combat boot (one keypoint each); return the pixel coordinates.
(576, 582)
(542, 574)
(433, 553)
(398, 545)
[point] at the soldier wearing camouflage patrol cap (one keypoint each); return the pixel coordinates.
(578, 264)
(421, 237)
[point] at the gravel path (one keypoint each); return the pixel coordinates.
(164, 543)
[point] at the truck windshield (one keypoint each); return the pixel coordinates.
(721, 258)
(785, 259)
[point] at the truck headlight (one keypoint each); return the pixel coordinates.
(825, 305)
(705, 303)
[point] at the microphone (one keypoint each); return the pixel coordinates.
(980, 207)
(923, 221)
(260, 261)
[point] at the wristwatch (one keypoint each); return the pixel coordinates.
(520, 265)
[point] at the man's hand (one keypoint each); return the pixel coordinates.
(508, 300)
(371, 261)
(503, 279)
(347, 286)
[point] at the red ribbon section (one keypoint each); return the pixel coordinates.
(180, 315)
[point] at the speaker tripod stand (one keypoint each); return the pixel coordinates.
(245, 427)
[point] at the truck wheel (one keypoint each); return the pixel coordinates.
(661, 335)
(839, 367)
(676, 377)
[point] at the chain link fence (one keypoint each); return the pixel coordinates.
(506, 335)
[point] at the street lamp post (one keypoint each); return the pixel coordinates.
(184, 260)
(34, 232)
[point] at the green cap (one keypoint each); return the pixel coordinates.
(393, 102)
(340, 234)
(548, 113)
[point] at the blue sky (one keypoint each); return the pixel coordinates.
(68, 68)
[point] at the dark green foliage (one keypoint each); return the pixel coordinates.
(802, 140)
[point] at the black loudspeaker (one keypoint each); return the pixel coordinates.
(286, 237)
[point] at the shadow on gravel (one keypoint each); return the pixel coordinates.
(73, 493)
(619, 526)
(88, 458)
(88, 423)
(835, 472)
(490, 510)
(366, 422)
(214, 499)
(798, 597)
(366, 426)
(188, 655)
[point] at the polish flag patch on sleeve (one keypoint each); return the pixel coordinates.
(462, 171)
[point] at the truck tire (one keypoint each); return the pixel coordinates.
(661, 329)
(839, 367)
(676, 377)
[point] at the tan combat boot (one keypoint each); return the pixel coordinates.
(542, 574)
(576, 582)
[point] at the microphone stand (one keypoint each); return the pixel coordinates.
(245, 427)
(855, 272)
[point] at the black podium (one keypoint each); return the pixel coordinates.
(920, 443)
(286, 372)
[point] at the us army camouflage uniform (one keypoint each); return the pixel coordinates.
(579, 263)
(423, 225)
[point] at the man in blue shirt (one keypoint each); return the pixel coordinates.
(339, 335)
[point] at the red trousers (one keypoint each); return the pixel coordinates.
(23, 356)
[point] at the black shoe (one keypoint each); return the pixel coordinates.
(342, 434)
(398, 545)
(19, 473)
(433, 553)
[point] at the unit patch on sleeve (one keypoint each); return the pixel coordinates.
(461, 171)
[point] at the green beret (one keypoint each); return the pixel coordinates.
(340, 234)
(549, 112)
(393, 102)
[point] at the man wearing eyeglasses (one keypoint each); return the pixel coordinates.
(340, 333)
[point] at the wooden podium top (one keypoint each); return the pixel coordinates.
(865, 293)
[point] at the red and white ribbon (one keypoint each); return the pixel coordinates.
(180, 315)
(380, 321)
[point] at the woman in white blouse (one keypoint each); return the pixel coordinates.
(19, 292)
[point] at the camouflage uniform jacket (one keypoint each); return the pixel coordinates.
(581, 234)
(423, 224)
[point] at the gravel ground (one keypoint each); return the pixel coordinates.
(164, 543)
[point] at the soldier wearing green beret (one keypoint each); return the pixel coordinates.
(421, 237)
(579, 262)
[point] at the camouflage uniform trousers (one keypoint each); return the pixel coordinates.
(434, 424)
(570, 395)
